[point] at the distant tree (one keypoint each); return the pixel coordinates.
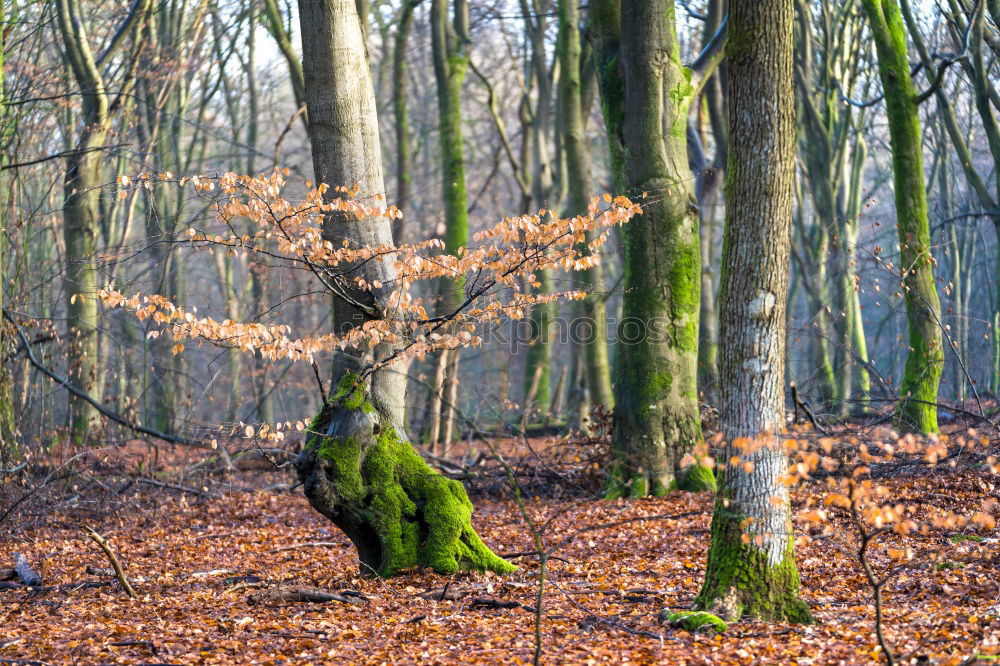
(751, 568)
(6, 337)
(579, 185)
(917, 409)
(82, 190)
(450, 44)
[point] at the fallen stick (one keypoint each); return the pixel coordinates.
(146, 644)
(171, 486)
(116, 565)
(482, 602)
(301, 594)
(311, 544)
(24, 571)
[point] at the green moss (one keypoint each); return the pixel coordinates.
(696, 478)
(948, 566)
(740, 579)
(350, 393)
(959, 538)
(345, 456)
(697, 621)
(418, 517)
(639, 486)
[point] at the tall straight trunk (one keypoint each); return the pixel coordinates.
(259, 273)
(357, 467)
(856, 324)
(710, 181)
(538, 360)
(81, 206)
(401, 115)
(755, 577)
(922, 373)
(7, 441)
(656, 418)
(450, 43)
(592, 334)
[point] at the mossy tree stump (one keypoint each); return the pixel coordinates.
(359, 472)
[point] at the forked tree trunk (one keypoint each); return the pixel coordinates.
(357, 468)
(755, 577)
(81, 207)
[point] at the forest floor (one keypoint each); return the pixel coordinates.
(203, 567)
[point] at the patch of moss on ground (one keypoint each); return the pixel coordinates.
(694, 621)
(961, 538)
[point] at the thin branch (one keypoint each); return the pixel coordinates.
(83, 395)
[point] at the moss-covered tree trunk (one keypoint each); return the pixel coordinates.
(656, 399)
(918, 390)
(591, 331)
(450, 42)
(751, 567)
(358, 469)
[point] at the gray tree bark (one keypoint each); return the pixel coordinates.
(756, 578)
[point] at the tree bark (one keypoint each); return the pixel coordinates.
(924, 361)
(400, 54)
(81, 209)
(357, 467)
(7, 441)
(450, 43)
(646, 93)
(592, 335)
(751, 567)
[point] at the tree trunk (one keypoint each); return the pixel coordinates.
(7, 441)
(592, 334)
(756, 578)
(357, 467)
(81, 209)
(538, 359)
(656, 418)
(360, 473)
(400, 54)
(450, 42)
(922, 373)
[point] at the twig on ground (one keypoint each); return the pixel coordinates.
(112, 558)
